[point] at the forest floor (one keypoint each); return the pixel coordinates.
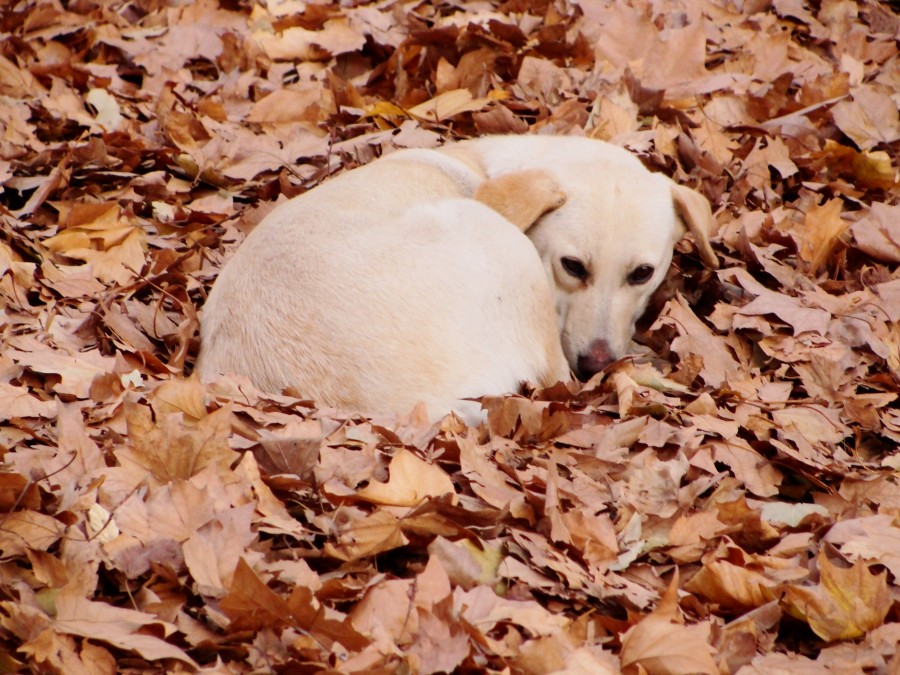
(730, 506)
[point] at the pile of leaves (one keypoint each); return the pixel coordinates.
(729, 505)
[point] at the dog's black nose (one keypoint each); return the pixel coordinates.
(595, 359)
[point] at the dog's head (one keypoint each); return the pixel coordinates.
(605, 228)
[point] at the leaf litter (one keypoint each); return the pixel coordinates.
(727, 503)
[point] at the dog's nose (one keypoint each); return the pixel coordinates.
(595, 359)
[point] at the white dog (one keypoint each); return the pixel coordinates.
(439, 275)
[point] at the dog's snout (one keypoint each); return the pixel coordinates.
(595, 359)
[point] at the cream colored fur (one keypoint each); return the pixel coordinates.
(394, 283)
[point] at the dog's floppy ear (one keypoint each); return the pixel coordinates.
(522, 196)
(695, 212)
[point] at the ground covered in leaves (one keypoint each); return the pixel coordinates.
(729, 505)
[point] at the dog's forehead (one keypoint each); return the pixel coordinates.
(622, 199)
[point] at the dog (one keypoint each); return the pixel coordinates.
(448, 274)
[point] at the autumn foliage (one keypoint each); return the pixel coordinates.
(727, 503)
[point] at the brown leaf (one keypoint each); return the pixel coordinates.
(336, 37)
(169, 449)
(113, 247)
(22, 530)
(695, 338)
(878, 234)
(870, 119)
(732, 586)
(367, 536)
(251, 604)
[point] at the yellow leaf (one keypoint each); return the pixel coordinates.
(731, 586)
(820, 232)
(447, 105)
(114, 247)
(180, 395)
(412, 481)
(847, 604)
(384, 109)
(874, 169)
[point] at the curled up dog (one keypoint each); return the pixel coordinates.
(441, 275)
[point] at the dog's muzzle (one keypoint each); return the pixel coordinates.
(597, 357)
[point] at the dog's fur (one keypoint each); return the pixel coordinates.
(395, 283)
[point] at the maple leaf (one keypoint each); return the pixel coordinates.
(19, 402)
(870, 119)
(878, 234)
(169, 449)
(660, 643)
(367, 536)
(22, 530)
(731, 585)
(335, 37)
(113, 247)
(846, 604)
(114, 625)
(697, 339)
(871, 538)
(411, 481)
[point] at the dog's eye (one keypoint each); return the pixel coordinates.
(575, 268)
(640, 275)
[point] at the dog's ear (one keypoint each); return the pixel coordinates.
(694, 210)
(522, 197)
